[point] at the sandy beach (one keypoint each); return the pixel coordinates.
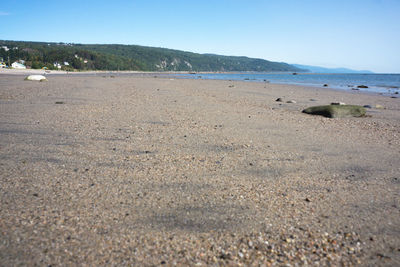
(146, 170)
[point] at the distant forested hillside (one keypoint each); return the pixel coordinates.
(316, 69)
(127, 57)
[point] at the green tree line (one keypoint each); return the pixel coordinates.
(128, 57)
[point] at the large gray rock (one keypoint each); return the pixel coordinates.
(336, 111)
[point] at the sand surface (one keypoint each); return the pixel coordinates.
(148, 170)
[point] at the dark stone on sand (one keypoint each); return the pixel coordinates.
(60, 102)
(279, 100)
(336, 111)
(362, 86)
(325, 85)
(367, 106)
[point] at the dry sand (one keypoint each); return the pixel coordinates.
(140, 170)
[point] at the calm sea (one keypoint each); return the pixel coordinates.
(388, 84)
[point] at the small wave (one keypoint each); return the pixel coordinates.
(388, 86)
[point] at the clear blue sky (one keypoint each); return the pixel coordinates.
(358, 34)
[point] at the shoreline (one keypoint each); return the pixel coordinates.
(172, 73)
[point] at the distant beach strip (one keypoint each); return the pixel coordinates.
(384, 84)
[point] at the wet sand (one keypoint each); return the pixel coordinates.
(143, 170)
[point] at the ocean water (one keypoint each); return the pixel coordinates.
(387, 84)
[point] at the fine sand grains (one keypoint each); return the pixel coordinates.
(142, 170)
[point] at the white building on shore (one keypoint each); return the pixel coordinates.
(17, 65)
